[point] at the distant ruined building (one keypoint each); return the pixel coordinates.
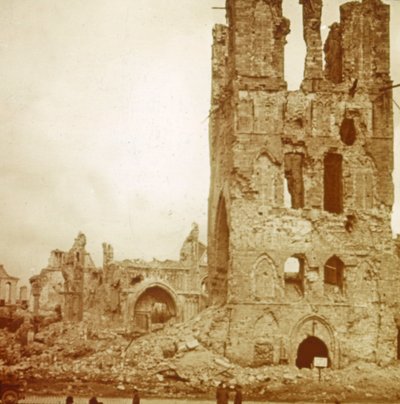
(9, 294)
(139, 295)
(300, 245)
(152, 293)
(63, 283)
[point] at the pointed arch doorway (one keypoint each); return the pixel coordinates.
(310, 348)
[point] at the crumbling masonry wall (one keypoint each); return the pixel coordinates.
(69, 282)
(136, 294)
(299, 241)
(144, 296)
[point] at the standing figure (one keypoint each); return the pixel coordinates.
(69, 400)
(238, 395)
(93, 400)
(136, 397)
(222, 394)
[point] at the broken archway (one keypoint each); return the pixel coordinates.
(156, 305)
(310, 348)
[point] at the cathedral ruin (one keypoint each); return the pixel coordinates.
(139, 295)
(300, 245)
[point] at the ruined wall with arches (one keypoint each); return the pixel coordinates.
(305, 180)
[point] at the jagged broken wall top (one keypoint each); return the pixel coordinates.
(253, 114)
(258, 30)
(264, 138)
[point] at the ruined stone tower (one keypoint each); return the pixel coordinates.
(300, 244)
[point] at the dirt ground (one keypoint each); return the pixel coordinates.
(362, 383)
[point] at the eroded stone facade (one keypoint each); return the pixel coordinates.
(300, 245)
(136, 294)
(65, 282)
(146, 295)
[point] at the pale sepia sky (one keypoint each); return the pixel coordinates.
(103, 123)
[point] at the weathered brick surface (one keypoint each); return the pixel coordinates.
(304, 175)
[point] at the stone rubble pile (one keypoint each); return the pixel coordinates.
(179, 360)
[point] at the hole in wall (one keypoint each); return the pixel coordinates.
(348, 131)
(287, 198)
(294, 179)
(350, 223)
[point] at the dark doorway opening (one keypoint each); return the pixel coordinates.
(308, 349)
(398, 343)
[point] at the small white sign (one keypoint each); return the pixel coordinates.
(320, 362)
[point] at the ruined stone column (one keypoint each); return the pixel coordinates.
(312, 10)
(108, 254)
(36, 288)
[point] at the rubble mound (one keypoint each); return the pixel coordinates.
(179, 360)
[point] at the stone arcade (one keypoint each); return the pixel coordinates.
(300, 246)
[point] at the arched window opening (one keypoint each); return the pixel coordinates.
(219, 285)
(8, 293)
(333, 188)
(309, 349)
(294, 179)
(348, 131)
(333, 272)
(294, 275)
(204, 286)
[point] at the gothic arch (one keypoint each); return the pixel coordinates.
(266, 153)
(314, 326)
(267, 179)
(153, 302)
(264, 279)
(8, 293)
(220, 271)
(267, 340)
(204, 285)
